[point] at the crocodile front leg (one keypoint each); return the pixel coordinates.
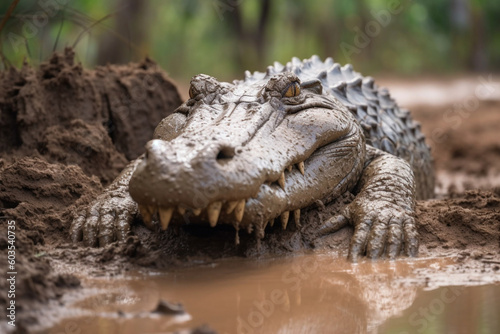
(109, 216)
(383, 212)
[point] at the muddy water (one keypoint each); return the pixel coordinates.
(455, 309)
(302, 294)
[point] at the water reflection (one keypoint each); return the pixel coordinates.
(308, 294)
(303, 294)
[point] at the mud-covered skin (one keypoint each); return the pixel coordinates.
(109, 217)
(385, 201)
(262, 149)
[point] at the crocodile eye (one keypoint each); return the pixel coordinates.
(192, 92)
(292, 90)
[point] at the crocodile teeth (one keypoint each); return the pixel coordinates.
(301, 167)
(213, 212)
(239, 210)
(296, 215)
(165, 216)
(197, 212)
(284, 219)
(181, 209)
(271, 222)
(289, 168)
(146, 215)
(259, 231)
(236, 226)
(230, 206)
(281, 180)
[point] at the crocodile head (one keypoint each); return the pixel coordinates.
(249, 152)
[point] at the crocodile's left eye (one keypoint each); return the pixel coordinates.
(192, 92)
(292, 90)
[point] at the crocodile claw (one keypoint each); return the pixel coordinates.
(388, 232)
(104, 221)
(383, 229)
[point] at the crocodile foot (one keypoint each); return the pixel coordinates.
(105, 220)
(380, 228)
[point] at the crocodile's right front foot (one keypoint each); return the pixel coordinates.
(105, 220)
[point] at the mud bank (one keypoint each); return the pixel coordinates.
(69, 131)
(97, 119)
(65, 133)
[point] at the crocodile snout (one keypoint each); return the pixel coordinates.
(196, 174)
(193, 173)
(186, 164)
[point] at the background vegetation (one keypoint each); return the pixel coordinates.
(223, 37)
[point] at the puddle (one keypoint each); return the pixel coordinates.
(302, 294)
(450, 310)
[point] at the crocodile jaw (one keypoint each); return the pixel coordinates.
(246, 163)
(325, 174)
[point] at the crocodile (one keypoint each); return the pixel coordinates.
(261, 149)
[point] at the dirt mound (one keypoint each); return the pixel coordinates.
(40, 195)
(86, 145)
(118, 104)
(40, 198)
(66, 133)
(469, 221)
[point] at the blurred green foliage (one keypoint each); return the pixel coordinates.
(224, 37)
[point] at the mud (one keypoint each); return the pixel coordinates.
(97, 119)
(463, 140)
(67, 132)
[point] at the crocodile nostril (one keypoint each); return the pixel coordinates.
(154, 148)
(225, 154)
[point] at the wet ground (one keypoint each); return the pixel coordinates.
(316, 293)
(290, 283)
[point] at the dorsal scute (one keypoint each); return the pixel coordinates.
(278, 66)
(355, 82)
(369, 82)
(270, 71)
